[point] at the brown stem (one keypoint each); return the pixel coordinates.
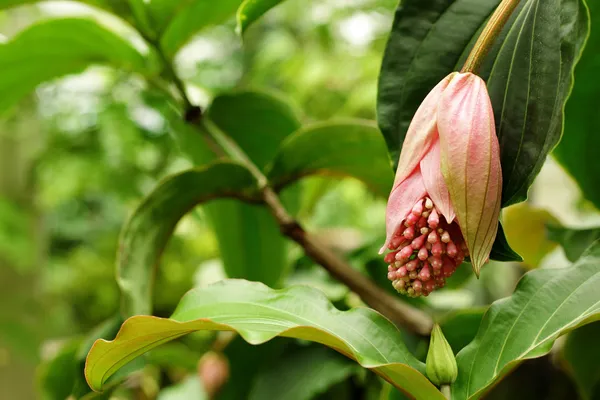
(400, 313)
(489, 35)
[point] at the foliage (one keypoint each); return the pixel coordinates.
(233, 146)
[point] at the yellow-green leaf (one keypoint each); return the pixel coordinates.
(259, 314)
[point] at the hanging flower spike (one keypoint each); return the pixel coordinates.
(425, 242)
(470, 156)
(445, 201)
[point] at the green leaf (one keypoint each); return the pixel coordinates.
(577, 149)
(425, 44)
(501, 250)
(151, 225)
(191, 16)
(537, 58)
(49, 50)
(460, 327)
(353, 148)
(58, 376)
(119, 8)
(298, 312)
(581, 354)
(257, 121)
(547, 303)
(302, 375)
(251, 10)
(573, 241)
(534, 57)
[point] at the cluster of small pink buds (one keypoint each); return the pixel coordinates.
(425, 250)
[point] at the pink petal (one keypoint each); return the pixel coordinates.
(434, 181)
(471, 162)
(402, 199)
(421, 132)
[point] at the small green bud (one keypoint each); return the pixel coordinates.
(441, 365)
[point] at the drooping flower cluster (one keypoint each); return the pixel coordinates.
(426, 252)
(445, 202)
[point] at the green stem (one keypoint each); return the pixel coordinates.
(445, 389)
(489, 35)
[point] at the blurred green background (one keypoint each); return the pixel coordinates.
(80, 153)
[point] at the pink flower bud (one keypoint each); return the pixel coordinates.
(470, 156)
(450, 155)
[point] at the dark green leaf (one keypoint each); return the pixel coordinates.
(427, 39)
(299, 312)
(501, 250)
(302, 375)
(49, 50)
(577, 151)
(189, 17)
(250, 241)
(529, 85)
(581, 354)
(534, 57)
(251, 10)
(547, 303)
(150, 227)
(353, 149)
(573, 241)
(246, 362)
(257, 121)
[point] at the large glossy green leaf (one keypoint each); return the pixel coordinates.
(151, 225)
(577, 148)
(302, 375)
(426, 41)
(529, 73)
(49, 50)
(529, 85)
(352, 148)
(259, 314)
(573, 241)
(251, 10)
(191, 16)
(547, 303)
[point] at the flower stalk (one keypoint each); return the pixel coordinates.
(489, 35)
